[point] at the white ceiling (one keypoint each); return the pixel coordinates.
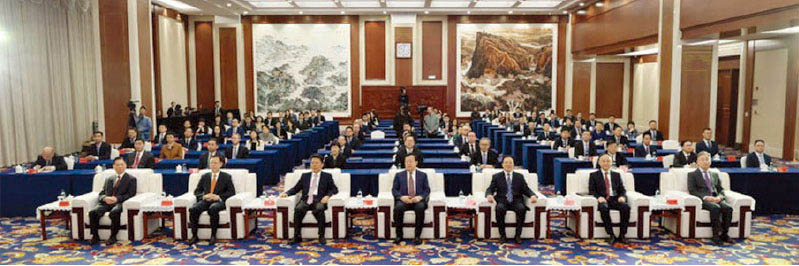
(367, 7)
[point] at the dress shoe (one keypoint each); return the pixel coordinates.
(322, 241)
(726, 238)
(502, 239)
(611, 240)
(517, 239)
(95, 240)
(622, 240)
(417, 241)
(193, 240)
(212, 241)
(717, 240)
(111, 240)
(397, 240)
(296, 240)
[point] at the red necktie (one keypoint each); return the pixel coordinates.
(136, 162)
(116, 184)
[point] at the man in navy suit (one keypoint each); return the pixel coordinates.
(706, 144)
(645, 149)
(758, 158)
(485, 157)
(654, 132)
(235, 128)
(116, 190)
(100, 150)
(584, 146)
(547, 133)
(317, 187)
(189, 141)
(606, 186)
(510, 188)
(411, 193)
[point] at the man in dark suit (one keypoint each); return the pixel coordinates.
(471, 145)
(411, 192)
(140, 158)
(579, 128)
(218, 108)
(508, 189)
(117, 189)
(346, 150)
(160, 138)
(50, 161)
(485, 157)
(707, 144)
(707, 186)
(758, 158)
(529, 130)
(654, 132)
(585, 146)
(335, 159)
(279, 131)
(99, 150)
(619, 138)
(189, 141)
(317, 187)
(547, 134)
(645, 148)
(606, 186)
(617, 159)
(205, 158)
(235, 128)
(352, 139)
(127, 143)
(236, 150)
(686, 156)
(564, 142)
(408, 149)
(171, 110)
(461, 138)
(212, 192)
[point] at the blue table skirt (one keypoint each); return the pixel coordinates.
(366, 180)
(285, 154)
(507, 142)
(518, 151)
(390, 153)
(530, 155)
(389, 146)
(385, 163)
(392, 140)
(545, 159)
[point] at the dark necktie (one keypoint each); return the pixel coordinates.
(708, 183)
(411, 186)
(509, 182)
(116, 184)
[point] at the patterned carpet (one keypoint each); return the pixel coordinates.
(774, 240)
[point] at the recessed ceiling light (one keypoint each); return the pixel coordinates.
(300, 12)
(510, 11)
(427, 12)
(468, 11)
(581, 12)
(384, 12)
(582, 4)
(565, 12)
(342, 12)
(599, 4)
(229, 4)
(245, 12)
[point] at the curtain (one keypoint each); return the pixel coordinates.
(48, 78)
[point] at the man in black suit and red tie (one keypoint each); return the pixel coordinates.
(212, 192)
(508, 189)
(116, 190)
(317, 187)
(471, 145)
(140, 158)
(606, 186)
(411, 192)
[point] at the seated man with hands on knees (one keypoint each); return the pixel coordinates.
(411, 193)
(510, 189)
(317, 187)
(116, 190)
(212, 192)
(706, 185)
(606, 186)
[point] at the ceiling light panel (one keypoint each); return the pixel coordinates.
(315, 4)
(446, 3)
(271, 4)
(401, 3)
(539, 4)
(487, 3)
(372, 3)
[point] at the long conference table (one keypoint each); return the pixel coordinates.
(20, 194)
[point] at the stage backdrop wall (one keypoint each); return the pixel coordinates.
(302, 66)
(506, 65)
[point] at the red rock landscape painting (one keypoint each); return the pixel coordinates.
(509, 65)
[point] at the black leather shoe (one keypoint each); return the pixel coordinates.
(212, 241)
(503, 239)
(417, 241)
(622, 240)
(193, 240)
(111, 240)
(94, 240)
(296, 240)
(726, 238)
(322, 241)
(397, 240)
(517, 239)
(717, 240)
(611, 240)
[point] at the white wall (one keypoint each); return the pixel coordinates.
(645, 93)
(172, 60)
(768, 99)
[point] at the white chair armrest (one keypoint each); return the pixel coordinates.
(588, 201)
(239, 199)
(185, 200)
(137, 201)
(636, 199)
(87, 201)
(339, 199)
(385, 199)
(289, 201)
(687, 199)
(542, 199)
(737, 200)
(438, 199)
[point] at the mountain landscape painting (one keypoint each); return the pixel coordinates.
(302, 67)
(505, 65)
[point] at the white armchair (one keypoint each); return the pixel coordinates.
(114, 154)
(434, 225)
(231, 220)
(535, 218)
(671, 144)
(593, 226)
(668, 160)
(696, 221)
(335, 215)
(377, 134)
(148, 185)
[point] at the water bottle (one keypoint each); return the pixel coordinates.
(360, 194)
(263, 195)
(163, 195)
(178, 168)
(98, 168)
(62, 196)
(657, 196)
(461, 196)
(185, 167)
(560, 198)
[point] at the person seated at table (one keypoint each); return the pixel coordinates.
(317, 187)
(471, 145)
(202, 128)
(248, 124)
(99, 150)
(212, 192)
(346, 150)
(117, 189)
(584, 146)
(654, 132)
(279, 131)
(254, 143)
(236, 150)
(542, 119)
(291, 127)
(218, 134)
(485, 157)
(411, 192)
(409, 129)
(645, 148)
(172, 149)
(619, 138)
(529, 130)
(631, 132)
(218, 122)
(335, 159)
(758, 158)
(461, 137)
(266, 135)
(606, 186)
(707, 144)
(578, 129)
(304, 123)
(49, 161)
(408, 148)
(508, 189)
(352, 140)
(139, 158)
(213, 151)
(229, 119)
(235, 128)
(599, 132)
(686, 156)
(617, 158)
(547, 134)
(186, 124)
(127, 143)
(160, 138)
(358, 133)
(611, 124)
(553, 119)
(564, 142)
(591, 123)
(189, 141)
(567, 124)
(706, 185)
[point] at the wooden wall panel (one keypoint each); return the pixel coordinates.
(404, 66)
(385, 99)
(623, 23)
(432, 40)
(145, 53)
(560, 91)
(664, 92)
(609, 89)
(228, 68)
(791, 94)
(375, 49)
(697, 14)
(204, 63)
(695, 91)
(749, 83)
(115, 55)
(581, 88)
(249, 83)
